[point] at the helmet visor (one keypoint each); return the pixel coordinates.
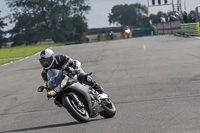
(46, 62)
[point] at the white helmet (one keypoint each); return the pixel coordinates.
(46, 58)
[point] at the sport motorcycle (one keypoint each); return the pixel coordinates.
(81, 101)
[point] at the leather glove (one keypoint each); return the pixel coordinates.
(65, 66)
(73, 71)
(76, 71)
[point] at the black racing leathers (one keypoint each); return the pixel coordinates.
(60, 60)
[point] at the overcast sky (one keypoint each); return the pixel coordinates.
(98, 16)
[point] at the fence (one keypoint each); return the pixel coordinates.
(192, 29)
(171, 27)
(139, 32)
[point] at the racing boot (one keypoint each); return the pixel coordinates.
(100, 90)
(97, 87)
(87, 79)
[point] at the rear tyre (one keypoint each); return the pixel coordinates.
(109, 110)
(80, 114)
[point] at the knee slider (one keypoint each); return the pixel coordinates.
(88, 78)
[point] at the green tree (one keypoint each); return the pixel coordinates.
(133, 14)
(41, 19)
(2, 33)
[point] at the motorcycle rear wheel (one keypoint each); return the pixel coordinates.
(80, 114)
(109, 110)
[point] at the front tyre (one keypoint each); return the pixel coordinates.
(109, 109)
(80, 114)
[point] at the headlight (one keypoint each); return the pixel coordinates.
(64, 82)
(52, 93)
(128, 31)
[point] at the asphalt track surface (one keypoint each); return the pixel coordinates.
(153, 81)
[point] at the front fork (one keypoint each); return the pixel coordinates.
(76, 100)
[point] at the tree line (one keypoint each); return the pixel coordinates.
(64, 20)
(59, 20)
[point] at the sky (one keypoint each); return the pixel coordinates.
(98, 16)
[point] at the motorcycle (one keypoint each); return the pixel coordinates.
(127, 32)
(81, 101)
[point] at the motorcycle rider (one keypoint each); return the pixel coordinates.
(49, 61)
(127, 31)
(111, 34)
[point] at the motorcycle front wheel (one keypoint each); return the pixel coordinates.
(80, 114)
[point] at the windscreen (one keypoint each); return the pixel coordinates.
(53, 78)
(52, 73)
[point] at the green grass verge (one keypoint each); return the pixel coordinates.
(6, 61)
(23, 51)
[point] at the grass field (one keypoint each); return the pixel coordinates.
(7, 61)
(22, 51)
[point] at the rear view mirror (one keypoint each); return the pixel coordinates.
(40, 89)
